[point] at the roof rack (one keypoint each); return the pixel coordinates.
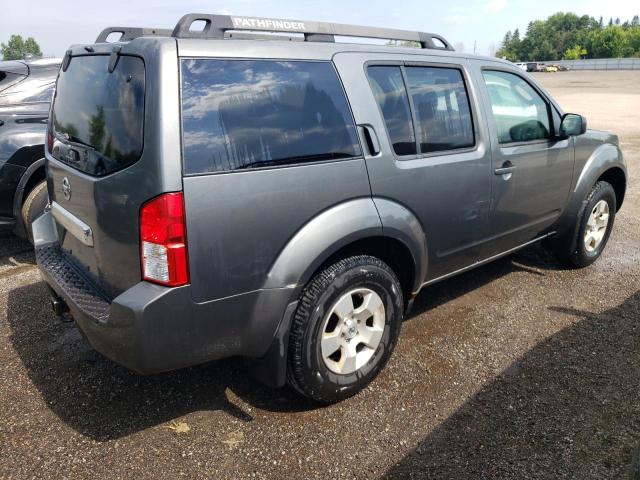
(130, 33)
(215, 27)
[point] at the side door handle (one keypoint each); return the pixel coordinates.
(368, 134)
(506, 168)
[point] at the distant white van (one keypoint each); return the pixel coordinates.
(523, 66)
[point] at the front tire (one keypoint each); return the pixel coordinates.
(594, 227)
(34, 206)
(345, 328)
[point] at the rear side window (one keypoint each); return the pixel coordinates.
(28, 92)
(242, 114)
(102, 113)
(7, 79)
(520, 113)
(391, 94)
(442, 108)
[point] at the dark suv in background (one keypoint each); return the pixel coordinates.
(26, 89)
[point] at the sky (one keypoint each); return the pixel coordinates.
(57, 24)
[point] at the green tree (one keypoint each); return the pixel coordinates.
(575, 53)
(609, 43)
(16, 48)
(567, 35)
(633, 42)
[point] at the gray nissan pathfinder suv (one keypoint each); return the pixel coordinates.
(219, 193)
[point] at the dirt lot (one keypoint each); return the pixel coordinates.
(519, 369)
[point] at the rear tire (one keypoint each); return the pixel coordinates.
(34, 206)
(594, 227)
(344, 329)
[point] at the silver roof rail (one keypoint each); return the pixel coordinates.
(130, 33)
(215, 27)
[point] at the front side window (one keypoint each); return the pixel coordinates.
(391, 94)
(242, 114)
(442, 108)
(520, 113)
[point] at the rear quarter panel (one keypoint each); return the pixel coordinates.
(239, 222)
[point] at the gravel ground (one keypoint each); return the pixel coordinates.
(519, 369)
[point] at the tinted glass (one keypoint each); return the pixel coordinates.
(43, 95)
(255, 113)
(520, 113)
(442, 108)
(102, 111)
(28, 92)
(7, 79)
(391, 95)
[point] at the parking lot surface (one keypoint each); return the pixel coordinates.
(519, 369)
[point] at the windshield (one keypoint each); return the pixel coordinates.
(101, 111)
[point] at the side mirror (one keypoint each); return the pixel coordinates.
(572, 125)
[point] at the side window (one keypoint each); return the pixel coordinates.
(43, 94)
(442, 108)
(27, 91)
(8, 78)
(520, 113)
(240, 114)
(391, 94)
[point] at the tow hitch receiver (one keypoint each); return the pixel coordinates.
(57, 304)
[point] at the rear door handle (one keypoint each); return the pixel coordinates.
(506, 168)
(370, 138)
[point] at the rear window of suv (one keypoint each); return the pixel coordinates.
(243, 114)
(101, 112)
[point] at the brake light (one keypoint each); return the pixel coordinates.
(163, 240)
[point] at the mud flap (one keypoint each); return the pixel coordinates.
(271, 369)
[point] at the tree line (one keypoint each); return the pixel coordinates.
(571, 37)
(16, 48)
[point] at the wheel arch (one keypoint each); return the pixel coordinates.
(34, 174)
(365, 226)
(373, 226)
(605, 163)
(616, 177)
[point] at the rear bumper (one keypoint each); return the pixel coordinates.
(150, 328)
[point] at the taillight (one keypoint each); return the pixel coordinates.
(163, 240)
(49, 141)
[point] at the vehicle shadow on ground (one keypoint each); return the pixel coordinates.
(534, 260)
(105, 401)
(567, 409)
(14, 249)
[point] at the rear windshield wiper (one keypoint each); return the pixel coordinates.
(74, 139)
(298, 159)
